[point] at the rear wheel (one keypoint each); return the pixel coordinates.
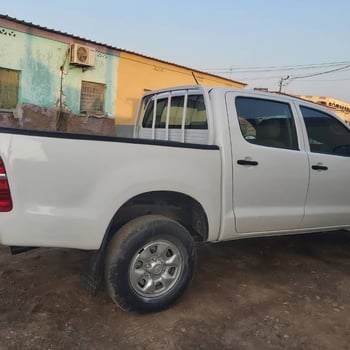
(149, 263)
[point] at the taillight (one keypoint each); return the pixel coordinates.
(5, 195)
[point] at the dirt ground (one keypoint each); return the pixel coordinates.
(270, 293)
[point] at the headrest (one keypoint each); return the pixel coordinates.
(269, 129)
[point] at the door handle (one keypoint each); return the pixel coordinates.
(247, 162)
(319, 167)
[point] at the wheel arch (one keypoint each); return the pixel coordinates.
(174, 205)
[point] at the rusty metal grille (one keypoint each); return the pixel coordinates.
(92, 98)
(9, 84)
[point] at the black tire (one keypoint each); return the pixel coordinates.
(129, 256)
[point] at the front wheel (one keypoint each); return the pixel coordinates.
(149, 263)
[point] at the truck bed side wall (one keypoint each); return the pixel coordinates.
(66, 191)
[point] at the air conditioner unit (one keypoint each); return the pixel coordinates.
(82, 55)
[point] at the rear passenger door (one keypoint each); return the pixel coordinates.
(328, 200)
(270, 166)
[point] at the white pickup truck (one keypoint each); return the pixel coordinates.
(205, 165)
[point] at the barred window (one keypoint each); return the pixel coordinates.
(92, 98)
(9, 84)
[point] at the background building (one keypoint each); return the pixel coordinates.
(341, 108)
(51, 69)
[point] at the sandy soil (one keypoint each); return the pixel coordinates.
(271, 293)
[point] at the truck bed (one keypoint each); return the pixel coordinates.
(66, 188)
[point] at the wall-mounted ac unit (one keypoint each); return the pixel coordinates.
(82, 55)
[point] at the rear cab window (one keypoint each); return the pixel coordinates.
(195, 117)
(179, 116)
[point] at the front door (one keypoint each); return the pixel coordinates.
(270, 168)
(328, 200)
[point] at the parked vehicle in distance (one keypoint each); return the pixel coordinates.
(206, 164)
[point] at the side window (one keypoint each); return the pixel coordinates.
(326, 134)
(266, 123)
(195, 113)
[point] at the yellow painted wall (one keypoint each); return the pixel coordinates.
(137, 74)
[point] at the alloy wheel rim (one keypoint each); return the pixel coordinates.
(156, 268)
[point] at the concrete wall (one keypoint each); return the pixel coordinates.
(40, 59)
(28, 116)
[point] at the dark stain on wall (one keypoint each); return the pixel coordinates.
(28, 116)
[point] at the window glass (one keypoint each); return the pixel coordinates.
(195, 113)
(92, 99)
(266, 123)
(326, 134)
(9, 84)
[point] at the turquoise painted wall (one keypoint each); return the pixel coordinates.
(39, 60)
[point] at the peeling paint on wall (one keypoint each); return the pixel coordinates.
(40, 60)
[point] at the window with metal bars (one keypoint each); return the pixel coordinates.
(92, 99)
(9, 86)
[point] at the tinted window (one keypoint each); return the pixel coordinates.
(266, 123)
(195, 113)
(326, 134)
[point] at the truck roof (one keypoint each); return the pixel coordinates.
(192, 89)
